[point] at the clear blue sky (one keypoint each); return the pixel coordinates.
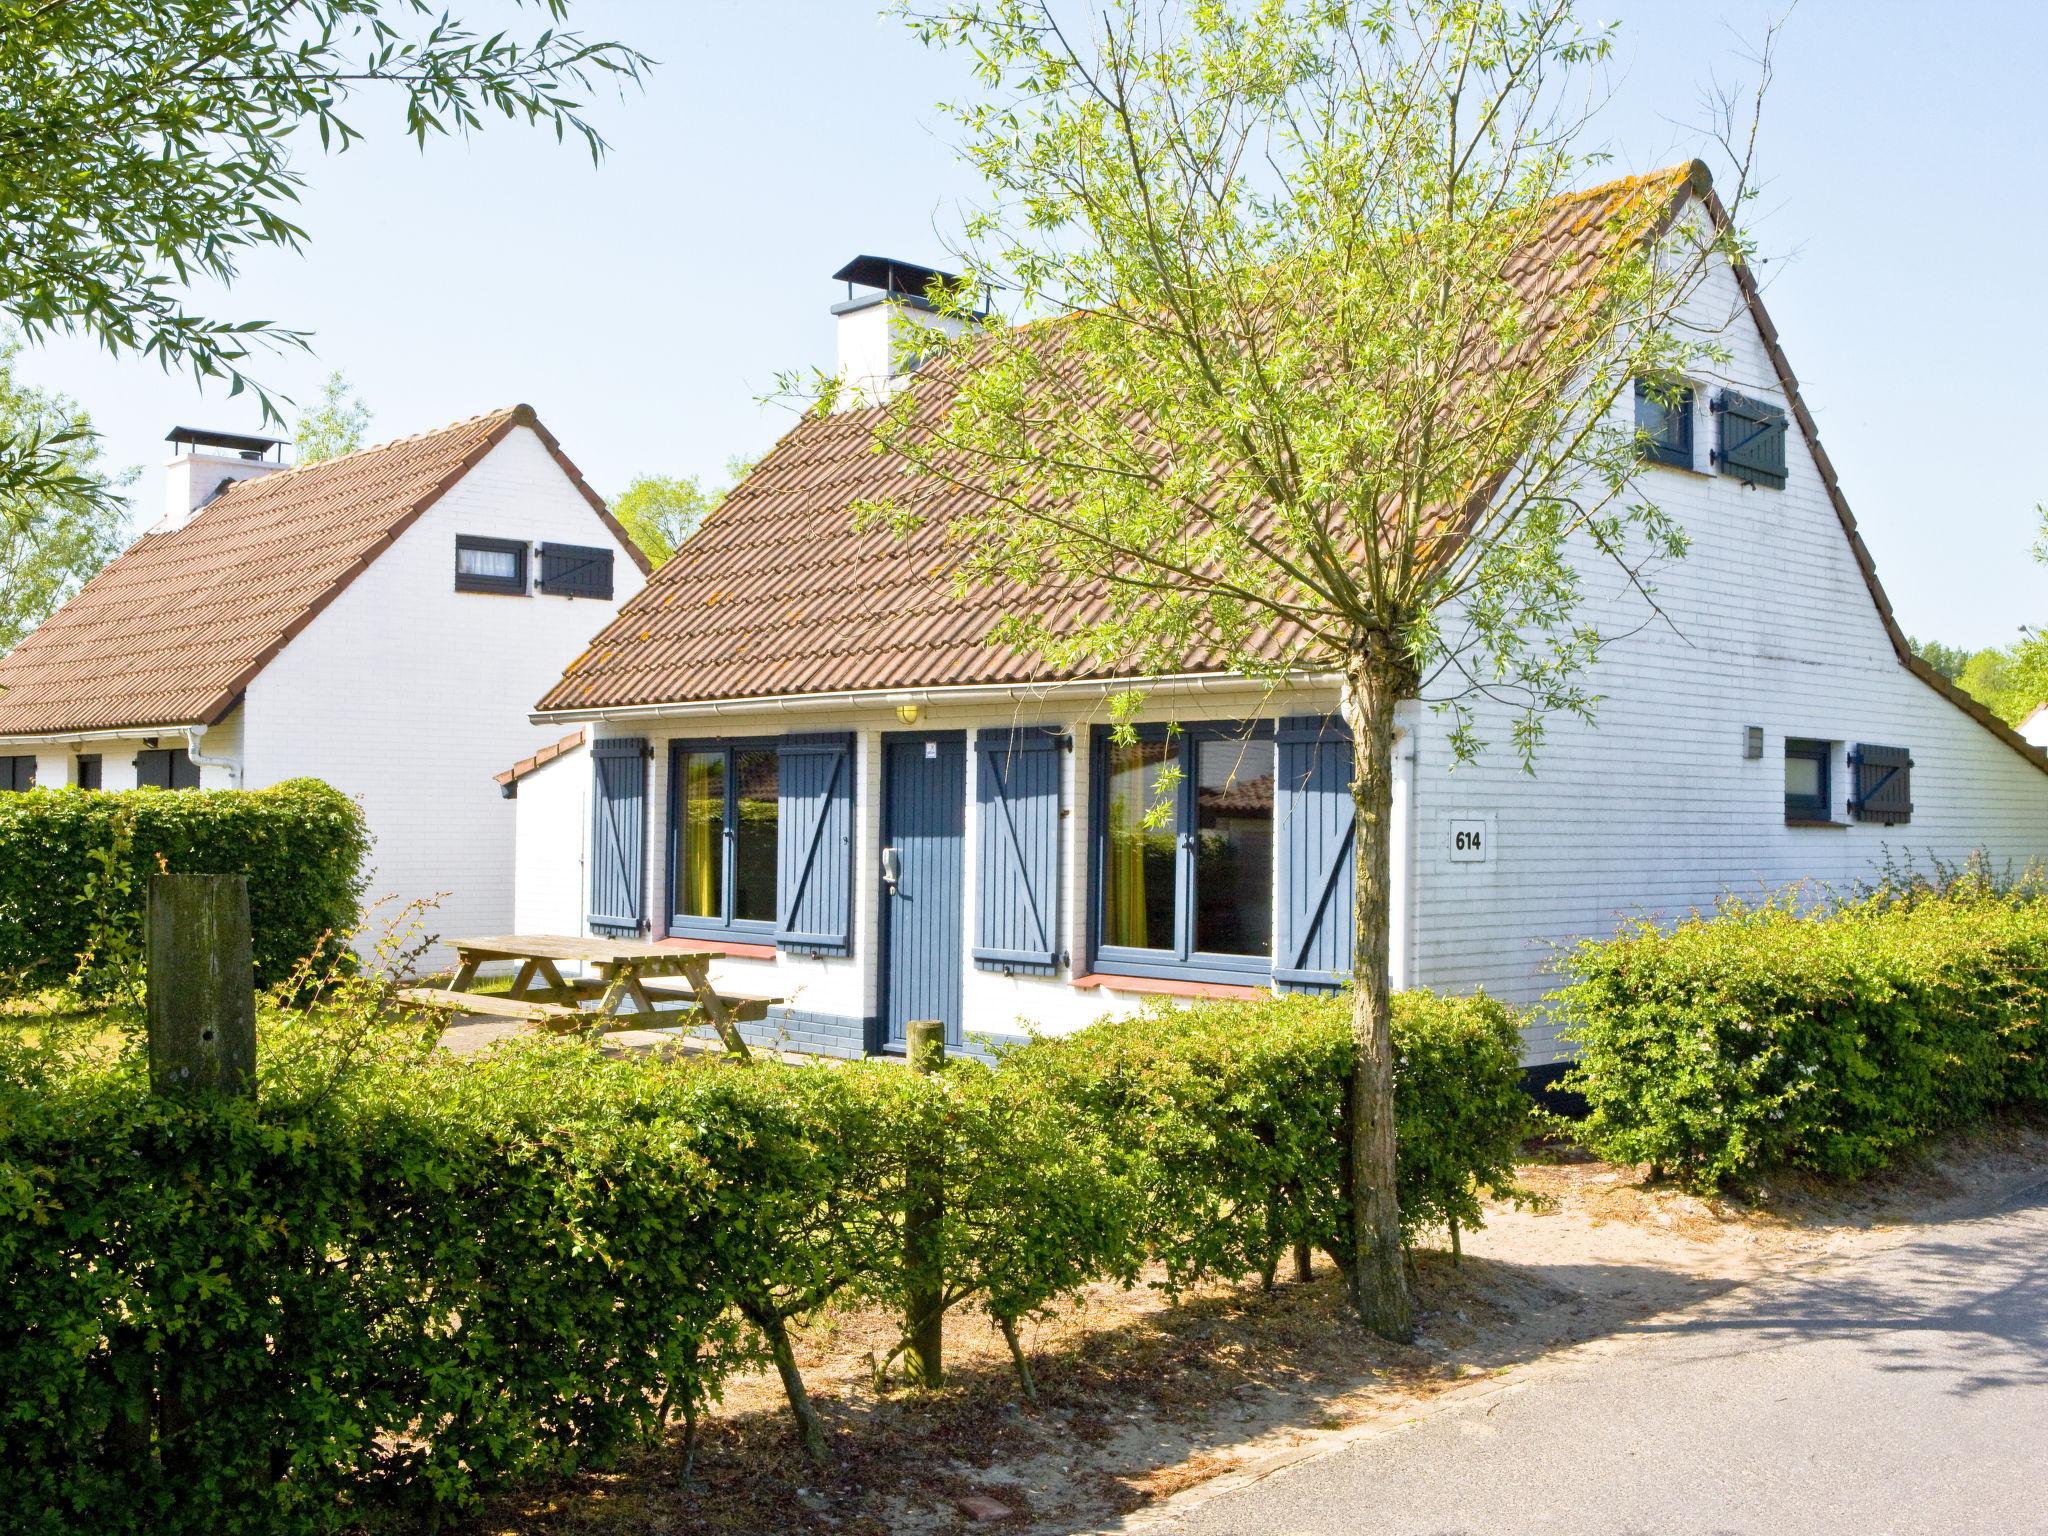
(644, 306)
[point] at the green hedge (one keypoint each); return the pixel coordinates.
(74, 867)
(1766, 1036)
(1230, 1120)
(399, 1279)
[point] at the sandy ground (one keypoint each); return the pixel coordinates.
(1141, 1400)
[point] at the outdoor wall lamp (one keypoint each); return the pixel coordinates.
(907, 713)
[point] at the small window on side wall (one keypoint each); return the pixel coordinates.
(17, 773)
(571, 570)
(1808, 795)
(85, 770)
(490, 565)
(1881, 784)
(1664, 422)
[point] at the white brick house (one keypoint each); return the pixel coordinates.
(378, 621)
(804, 754)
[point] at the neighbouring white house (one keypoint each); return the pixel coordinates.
(2035, 727)
(380, 621)
(797, 748)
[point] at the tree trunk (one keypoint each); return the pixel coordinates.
(810, 1429)
(1374, 681)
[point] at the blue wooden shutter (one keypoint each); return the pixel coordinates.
(814, 845)
(618, 836)
(1313, 855)
(1881, 784)
(1017, 794)
(1752, 439)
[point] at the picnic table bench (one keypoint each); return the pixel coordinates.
(541, 995)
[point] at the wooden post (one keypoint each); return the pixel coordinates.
(923, 1214)
(201, 985)
(201, 1018)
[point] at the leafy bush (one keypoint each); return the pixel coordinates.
(395, 1279)
(74, 868)
(1231, 1121)
(1766, 1035)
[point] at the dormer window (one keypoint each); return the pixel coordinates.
(1664, 422)
(490, 565)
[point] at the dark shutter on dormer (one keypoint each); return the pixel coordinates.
(1881, 784)
(571, 570)
(1751, 444)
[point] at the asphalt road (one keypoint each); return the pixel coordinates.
(1902, 1390)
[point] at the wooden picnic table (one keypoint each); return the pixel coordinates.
(624, 968)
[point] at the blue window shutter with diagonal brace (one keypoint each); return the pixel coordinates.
(618, 836)
(1314, 853)
(1017, 797)
(814, 845)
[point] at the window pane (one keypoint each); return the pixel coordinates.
(754, 874)
(1137, 885)
(494, 564)
(1234, 848)
(1654, 417)
(700, 870)
(1802, 777)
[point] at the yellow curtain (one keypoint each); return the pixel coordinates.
(1125, 914)
(703, 851)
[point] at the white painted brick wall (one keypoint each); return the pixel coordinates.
(1654, 810)
(551, 862)
(411, 695)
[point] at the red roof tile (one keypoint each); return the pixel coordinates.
(777, 594)
(540, 759)
(173, 630)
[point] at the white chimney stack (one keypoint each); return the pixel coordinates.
(885, 331)
(204, 463)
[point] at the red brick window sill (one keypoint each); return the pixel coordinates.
(1167, 987)
(721, 947)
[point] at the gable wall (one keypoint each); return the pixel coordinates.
(1654, 809)
(411, 695)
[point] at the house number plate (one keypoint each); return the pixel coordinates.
(1471, 842)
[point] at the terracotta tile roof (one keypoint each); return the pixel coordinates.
(776, 594)
(173, 630)
(540, 759)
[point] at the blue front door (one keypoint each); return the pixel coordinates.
(924, 814)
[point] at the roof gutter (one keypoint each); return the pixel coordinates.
(117, 733)
(1185, 683)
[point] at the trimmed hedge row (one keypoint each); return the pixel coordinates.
(75, 866)
(1765, 1036)
(398, 1280)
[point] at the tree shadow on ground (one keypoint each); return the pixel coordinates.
(1137, 1399)
(1972, 1307)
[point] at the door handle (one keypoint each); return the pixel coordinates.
(892, 869)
